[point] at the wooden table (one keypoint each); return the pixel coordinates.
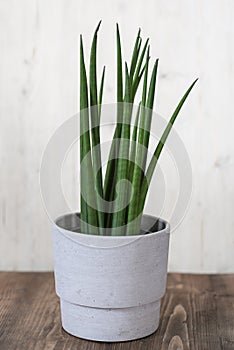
(197, 313)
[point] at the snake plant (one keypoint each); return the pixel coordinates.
(105, 210)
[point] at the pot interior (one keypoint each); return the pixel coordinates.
(149, 224)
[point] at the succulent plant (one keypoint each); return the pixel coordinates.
(128, 151)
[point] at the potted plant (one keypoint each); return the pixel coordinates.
(110, 259)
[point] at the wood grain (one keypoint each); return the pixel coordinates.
(197, 313)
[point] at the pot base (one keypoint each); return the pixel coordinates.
(110, 325)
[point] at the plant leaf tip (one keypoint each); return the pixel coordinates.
(98, 26)
(126, 69)
(192, 85)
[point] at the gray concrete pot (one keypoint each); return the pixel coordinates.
(110, 288)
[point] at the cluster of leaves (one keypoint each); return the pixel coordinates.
(100, 213)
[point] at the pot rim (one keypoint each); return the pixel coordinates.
(166, 229)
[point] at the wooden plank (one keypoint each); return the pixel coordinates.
(197, 313)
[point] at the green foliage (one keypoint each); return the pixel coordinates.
(129, 149)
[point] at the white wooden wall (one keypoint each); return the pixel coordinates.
(38, 91)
